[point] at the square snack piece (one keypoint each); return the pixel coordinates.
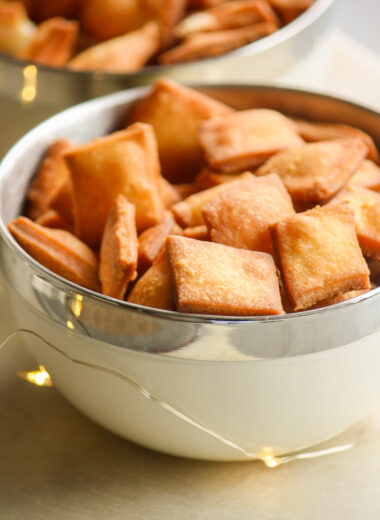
(216, 279)
(175, 112)
(59, 251)
(125, 162)
(155, 287)
(366, 205)
(314, 172)
(367, 176)
(246, 139)
(241, 214)
(49, 180)
(319, 255)
(118, 252)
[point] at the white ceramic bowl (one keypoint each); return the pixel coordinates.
(185, 384)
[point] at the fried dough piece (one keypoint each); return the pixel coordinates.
(216, 279)
(124, 162)
(374, 268)
(342, 297)
(152, 240)
(241, 214)
(118, 251)
(59, 251)
(366, 205)
(127, 53)
(52, 43)
(49, 180)
(62, 201)
(104, 20)
(246, 139)
(314, 172)
(188, 212)
(312, 132)
(208, 178)
(206, 45)
(319, 255)
(169, 194)
(367, 176)
(185, 189)
(155, 287)
(197, 233)
(193, 5)
(52, 219)
(175, 112)
(228, 15)
(290, 9)
(16, 30)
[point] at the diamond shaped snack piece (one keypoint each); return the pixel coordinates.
(197, 232)
(125, 162)
(62, 201)
(188, 212)
(169, 194)
(290, 9)
(314, 172)
(151, 241)
(205, 45)
(367, 176)
(246, 139)
(127, 53)
(208, 178)
(229, 15)
(175, 112)
(118, 251)
(366, 205)
(16, 30)
(59, 251)
(216, 279)
(311, 132)
(155, 287)
(52, 43)
(241, 214)
(50, 178)
(319, 255)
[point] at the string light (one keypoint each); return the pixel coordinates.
(38, 377)
(29, 91)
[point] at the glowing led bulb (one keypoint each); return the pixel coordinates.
(38, 377)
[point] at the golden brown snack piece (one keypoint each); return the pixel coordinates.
(215, 279)
(228, 15)
(246, 139)
(152, 240)
(290, 9)
(52, 219)
(53, 42)
(203, 4)
(311, 132)
(209, 44)
(342, 297)
(124, 162)
(127, 53)
(169, 194)
(319, 255)
(188, 212)
(175, 112)
(366, 205)
(185, 189)
(314, 172)
(16, 30)
(367, 176)
(197, 233)
(104, 20)
(118, 252)
(62, 201)
(241, 214)
(208, 178)
(155, 287)
(59, 251)
(49, 180)
(374, 268)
